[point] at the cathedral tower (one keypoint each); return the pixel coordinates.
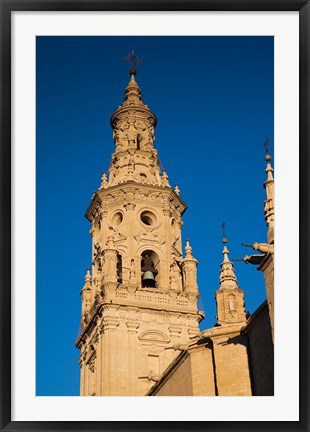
(140, 299)
(265, 259)
(267, 263)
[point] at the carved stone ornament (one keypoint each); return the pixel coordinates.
(154, 337)
(132, 326)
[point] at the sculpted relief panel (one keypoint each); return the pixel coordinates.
(133, 133)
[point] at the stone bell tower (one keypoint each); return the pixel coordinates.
(139, 302)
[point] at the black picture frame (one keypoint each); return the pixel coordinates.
(6, 8)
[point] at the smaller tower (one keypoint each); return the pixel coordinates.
(265, 260)
(267, 263)
(229, 297)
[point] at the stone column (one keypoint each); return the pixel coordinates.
(132, 329)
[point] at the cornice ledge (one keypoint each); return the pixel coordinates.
(94, 200)
(89, 325)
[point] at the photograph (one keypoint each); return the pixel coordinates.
(155, 216)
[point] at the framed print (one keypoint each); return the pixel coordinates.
(132, 114)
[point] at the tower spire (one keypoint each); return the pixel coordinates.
(87, 284)
(132, 92)
(265, 260)
(227, 273)
(269, 202)
(133, 124)
(229, 297)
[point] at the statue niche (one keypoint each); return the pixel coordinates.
(175, 276)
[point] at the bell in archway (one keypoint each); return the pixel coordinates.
(148, 279)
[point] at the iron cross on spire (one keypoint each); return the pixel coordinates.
(266, 144)
(133, 60)
(223, 229)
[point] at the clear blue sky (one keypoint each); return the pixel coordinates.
(213, 97)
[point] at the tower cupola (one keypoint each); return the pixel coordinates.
(133, 99)
(135, 158)
(227, 274)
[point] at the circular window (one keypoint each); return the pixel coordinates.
(148, 218)
(117, 219)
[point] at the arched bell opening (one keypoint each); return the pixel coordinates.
(149, 269)
(119, 268)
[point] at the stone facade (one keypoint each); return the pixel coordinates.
(178, 379)
(224, 361)
(260, 348)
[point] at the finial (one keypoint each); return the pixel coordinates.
(188, 253)
(225, 253)
(104, 181)
(87, 278)
(266, 144)
(225, 250)
(177, 189)
(268, 158)
(164, 179)
(188, 249)
(227, 273)
(133, 60)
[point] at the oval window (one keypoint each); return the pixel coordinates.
(117, 219)
(148, 218)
